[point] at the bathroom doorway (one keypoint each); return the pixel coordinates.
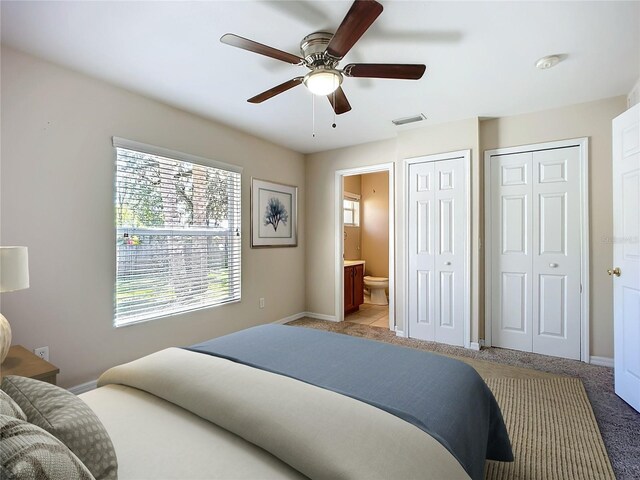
(365, 254)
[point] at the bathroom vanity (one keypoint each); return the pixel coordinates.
(353, 285)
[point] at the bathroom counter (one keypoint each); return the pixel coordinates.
(351, 263)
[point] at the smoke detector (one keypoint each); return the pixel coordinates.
(547, 62)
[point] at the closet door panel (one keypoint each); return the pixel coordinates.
(556, 252)
(422, 250)
(450, 238)
(511, 271)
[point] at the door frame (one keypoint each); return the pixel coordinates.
(583, 144)
(339, 238)
(465, 155)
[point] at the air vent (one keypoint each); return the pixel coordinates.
(406, 120)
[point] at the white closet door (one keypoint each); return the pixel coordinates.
(556, 252)
(512, 269)
(437, 251)
(421, 251)
(450, 237)
(536, 251)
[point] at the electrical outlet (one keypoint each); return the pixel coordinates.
(42, 352)
(262, 303)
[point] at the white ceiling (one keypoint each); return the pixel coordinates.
(480, 58)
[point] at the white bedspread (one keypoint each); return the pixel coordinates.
(157, 440)
(319, 433)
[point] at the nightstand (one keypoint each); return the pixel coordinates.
(21, 361)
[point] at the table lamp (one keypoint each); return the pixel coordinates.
(14, 275)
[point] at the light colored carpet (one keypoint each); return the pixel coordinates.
(553, 431)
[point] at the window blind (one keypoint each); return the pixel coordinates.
(178, 244)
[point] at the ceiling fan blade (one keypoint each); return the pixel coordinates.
(250, 45)
(358, 19)
(385, 70)
(272, 92)
(341, 104)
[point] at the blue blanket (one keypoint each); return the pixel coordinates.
(444, 397)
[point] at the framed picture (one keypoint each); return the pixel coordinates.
(274, 214)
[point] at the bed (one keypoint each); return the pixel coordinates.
(289, 402)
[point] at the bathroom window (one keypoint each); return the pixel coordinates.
(351, 207)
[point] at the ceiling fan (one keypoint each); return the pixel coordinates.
(321, 53)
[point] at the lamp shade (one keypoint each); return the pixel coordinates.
(14, 268)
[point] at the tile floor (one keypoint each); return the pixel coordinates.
(372, 315)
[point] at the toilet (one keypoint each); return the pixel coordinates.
(376, 287)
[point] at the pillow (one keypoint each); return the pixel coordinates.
(67, 418)
(27, 451)
(10, 408)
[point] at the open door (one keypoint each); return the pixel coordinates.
(626, 255)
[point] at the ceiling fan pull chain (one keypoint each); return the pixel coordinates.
(334, 110)
(313, 116)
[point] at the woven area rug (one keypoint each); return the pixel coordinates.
(553, 431)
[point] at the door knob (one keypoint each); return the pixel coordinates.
(616, 271)
(553, 265)
(447, 263)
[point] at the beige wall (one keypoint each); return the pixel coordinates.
(320, 175)
(352, 235)
(352, 243)
(352, 183)
(57, 175)
(56, 182)
(591, 120)
(321, 171)
(375, 223)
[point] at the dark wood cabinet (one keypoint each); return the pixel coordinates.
(353, 287)
(358, 285)
(348, 290)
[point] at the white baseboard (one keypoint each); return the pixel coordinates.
(290, 318)
(474, 346)
(296, 316)
(84, 387)
(601, 361)
(321, 316)
(400, 333)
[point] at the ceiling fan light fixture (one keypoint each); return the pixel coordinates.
(323, 81)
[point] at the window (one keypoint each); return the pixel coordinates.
(177, 233)
(351, 207)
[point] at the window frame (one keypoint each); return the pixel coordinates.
(143, 148)
(355, 199)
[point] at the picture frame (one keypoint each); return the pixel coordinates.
(274, 214)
